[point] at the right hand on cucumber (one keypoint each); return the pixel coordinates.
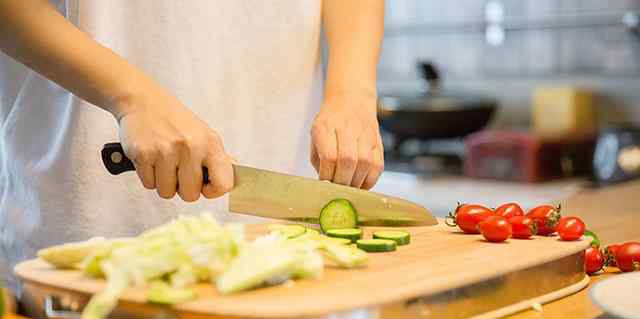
(169, 145)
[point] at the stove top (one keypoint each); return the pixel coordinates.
(434, 157)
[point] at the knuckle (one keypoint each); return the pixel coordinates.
(365, 161)
(143, 154)
(347, 159)
(328, 157)
(226, 185)
(378, 166)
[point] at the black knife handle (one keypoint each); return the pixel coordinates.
(117, 162)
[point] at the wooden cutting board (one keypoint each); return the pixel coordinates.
(442, 272)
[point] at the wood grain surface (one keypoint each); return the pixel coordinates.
(614, 214)
(438, 259)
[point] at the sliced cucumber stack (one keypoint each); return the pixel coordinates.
(376, 245)
(400, 237)
(289, 231)
(338, 214)
(352, 234)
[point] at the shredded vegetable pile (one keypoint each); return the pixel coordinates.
(171, 258)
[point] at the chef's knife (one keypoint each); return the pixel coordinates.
(275, 195)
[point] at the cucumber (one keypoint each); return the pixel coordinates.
(333, 240)
(352, 234)
(376, 245)
(311, 232)
(289, 231)
(338, 213)
(400, 237)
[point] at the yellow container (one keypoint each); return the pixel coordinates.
(562, 110)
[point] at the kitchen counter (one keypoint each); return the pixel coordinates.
(442, 194)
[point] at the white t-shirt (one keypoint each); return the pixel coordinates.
(249, 68)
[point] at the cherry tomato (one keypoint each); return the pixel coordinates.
(628, 256)
(468, 216)
(495, 229)
(593, 260)
(523, 227)
(546, 216)
(509, 210)
(610, 254)
(570, 228)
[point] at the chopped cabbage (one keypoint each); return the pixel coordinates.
(191, 249)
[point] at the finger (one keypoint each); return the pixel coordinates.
(347, 157)
(146, 175)
(315, 160)
(220, 170)
(325, 142)
(377, 167)
(190, 178)
(365, 159)
(166, 171)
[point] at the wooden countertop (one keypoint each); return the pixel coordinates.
(614, 214)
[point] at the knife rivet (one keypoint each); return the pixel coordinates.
(116, 157)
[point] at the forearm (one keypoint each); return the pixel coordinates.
(354, 31)
(35, 34)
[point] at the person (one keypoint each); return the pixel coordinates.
(173, 79)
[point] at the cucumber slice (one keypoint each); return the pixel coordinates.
(289, 231)
(338, 213)
(333, 240)
(352, 234)
(311, 232)
(400, 237)
(376, 245)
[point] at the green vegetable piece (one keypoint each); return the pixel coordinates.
(311, 231)
(400, 237)
(289, 231)
(162, 293)
(333, 240)
(338, 213)
(346, 256)
(376, 245)
(70, 255)
(352, 234)
(595, 240)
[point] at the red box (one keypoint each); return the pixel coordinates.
(526, 157)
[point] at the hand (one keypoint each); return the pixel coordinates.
(169, 146)
(346, 147)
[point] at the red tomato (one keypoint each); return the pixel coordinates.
(468, 216)
(628, 256)
(570, 228)
(523, 227)
(593, 260)
(509, 210)
(495, 229)
(610, 254)
(546, 216)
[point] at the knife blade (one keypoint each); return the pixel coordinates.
(275, 195)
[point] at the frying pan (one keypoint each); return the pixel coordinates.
(434, 114)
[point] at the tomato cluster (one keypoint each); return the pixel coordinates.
(510, 221)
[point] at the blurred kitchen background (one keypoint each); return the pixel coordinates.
(498, 100)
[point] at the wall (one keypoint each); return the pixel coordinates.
(547, 42)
